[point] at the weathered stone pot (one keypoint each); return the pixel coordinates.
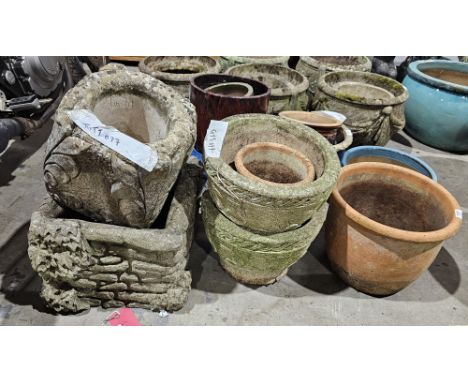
(274, 164)
(84, 264)
(437, 109)
(373, 104)
(288, 87)
(218, 106)
(239, 89)
(228, 61)
(267, 208)
(92, 179)
(315, 66)
(177, 71)
(386, 224)
(255, 258)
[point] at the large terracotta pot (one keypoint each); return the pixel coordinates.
(215, 106)
(386, 224)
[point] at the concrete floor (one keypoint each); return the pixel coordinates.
(310, 294)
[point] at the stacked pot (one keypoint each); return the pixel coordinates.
(113, 233)
(259, 229)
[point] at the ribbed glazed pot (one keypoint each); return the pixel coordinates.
(218, 106)
(177, 71)
(373, 104)
(253, 258)
(386, 224)
(315, 66)
(96, 181)
(437, 109)
(288, 87)
(228, 61)
(266, 208)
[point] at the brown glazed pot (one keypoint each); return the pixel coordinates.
(385, 226)
(218, 106)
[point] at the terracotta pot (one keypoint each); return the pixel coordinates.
(218, 106)
(386, 224)
(274, 164)
(238, 89)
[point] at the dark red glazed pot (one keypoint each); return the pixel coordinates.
(217, 106)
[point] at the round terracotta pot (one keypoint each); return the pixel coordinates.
(210, 105)
(274, 164)
(239, 89)
(386, 224)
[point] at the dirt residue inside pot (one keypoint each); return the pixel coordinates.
(459, 78)
(395, 206)
(180, 71)
(273, 171)
(338, 60)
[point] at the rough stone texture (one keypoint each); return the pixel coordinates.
(315, 66)
(288, 87)
(86, 264)
(373, 104)
(177, 71)
(92, 179)
(228, 61)
(254, 258)
(262, 207)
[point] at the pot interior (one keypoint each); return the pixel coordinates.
(233, 89)
(380, 159)
(175, 65)
(339, 60)
(363, 90)
(134, 114)
(455, 77)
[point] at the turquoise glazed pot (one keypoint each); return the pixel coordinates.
(437, 109)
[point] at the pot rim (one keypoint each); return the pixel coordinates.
(313, 62)
(415, 71)
(395, 233)
(247, 86)
(336, 125)
(251, 59)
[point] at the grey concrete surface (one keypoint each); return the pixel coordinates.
(309, 295)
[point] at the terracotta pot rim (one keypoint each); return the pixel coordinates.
(410, 236)
(285, 114)
(241, 169)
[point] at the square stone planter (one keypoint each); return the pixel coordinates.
(86, 264)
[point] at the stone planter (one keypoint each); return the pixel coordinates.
(92, 179)
(386, 224)
(373, 104)
(238, 89)
(288, 87)
(315, 66)
(254, 258)
(437, 110)
(218, 106)
(177, 71)
(266, 208)
(86, 264)
(228, 61)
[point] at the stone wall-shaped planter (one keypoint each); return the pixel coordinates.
(92, 179)
(86, 264)
(177, 71)
(315, 66)
(261, 207)
(288, 87)
(386, 224)
(254, 258)
(218, 106)
(373, 104)
(228, 61)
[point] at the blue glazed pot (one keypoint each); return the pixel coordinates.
(386, 155)
(437, 110)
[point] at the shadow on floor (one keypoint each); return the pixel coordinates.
(402, 140)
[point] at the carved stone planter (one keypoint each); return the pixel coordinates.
(268, 208)
(255, 258)
(288, 87)
(315, 66)
(228, 61)
(177, 71)
(86, 264)
(373, 104)
(92, 179)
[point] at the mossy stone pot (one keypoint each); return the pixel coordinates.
(386, 225)
(315, 66)
(90, 178)
(253, 258)
(372, 104)
(177, 71)
(288, 86)
(268, 208)
(437, 109)
(228, 61)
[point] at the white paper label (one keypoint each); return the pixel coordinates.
(348, 133)
(459, 213)
(214, 138)
(109, 136)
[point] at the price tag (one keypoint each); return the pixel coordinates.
(214, 138)
(109, 136)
